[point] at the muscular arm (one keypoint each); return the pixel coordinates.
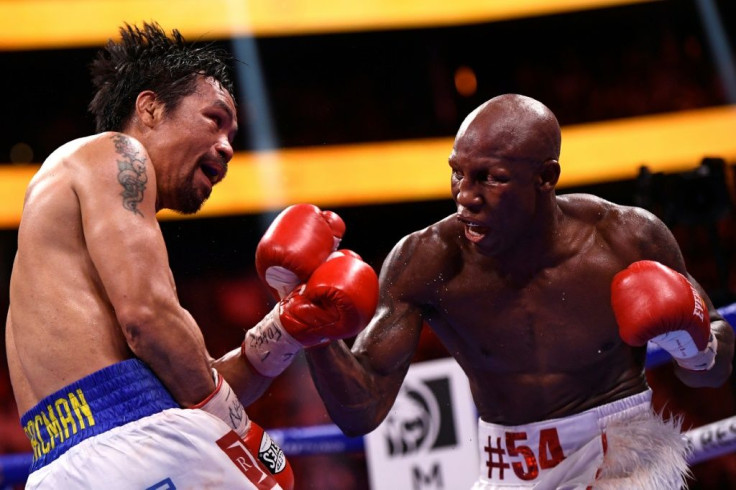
(359, 387)
(659, 244)
(116, 186)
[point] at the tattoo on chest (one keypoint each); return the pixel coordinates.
(131, 173)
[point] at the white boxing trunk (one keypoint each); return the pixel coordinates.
(583, 451)
(120, 429)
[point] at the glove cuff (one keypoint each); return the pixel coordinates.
(282, 280)
(703, 360)
(269, 347)
(224, 404)
(682, 349)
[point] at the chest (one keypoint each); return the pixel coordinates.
(558, 313)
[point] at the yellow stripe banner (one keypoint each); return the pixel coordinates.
(35, 24)
(417, 170)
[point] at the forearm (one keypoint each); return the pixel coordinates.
(721, 370)
(245, 381)
(171, 344)
(351, 395)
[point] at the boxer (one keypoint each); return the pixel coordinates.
(547, 303)
(110, 373)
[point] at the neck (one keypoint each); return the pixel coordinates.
(538, 248)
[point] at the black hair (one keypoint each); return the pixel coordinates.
(146, 58)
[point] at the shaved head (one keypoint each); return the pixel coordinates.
(514, 127)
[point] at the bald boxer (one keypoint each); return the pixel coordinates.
(547, 303)
(111, 375)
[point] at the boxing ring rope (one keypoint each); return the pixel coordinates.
(706, 442)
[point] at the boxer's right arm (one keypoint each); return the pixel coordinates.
(296, 243)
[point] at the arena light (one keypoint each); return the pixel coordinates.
(34, 24)
(466, 82)
(719, 46)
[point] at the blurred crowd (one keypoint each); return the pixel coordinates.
(657, 67)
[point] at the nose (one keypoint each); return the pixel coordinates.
(225, 149)
(467, 196)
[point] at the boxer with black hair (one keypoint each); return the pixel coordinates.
(110, 373)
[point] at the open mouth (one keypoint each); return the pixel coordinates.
(212, 171)
(474, 231)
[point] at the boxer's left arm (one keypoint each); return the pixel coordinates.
(723, 332)
(359, 386)
(660, 299)
(125, 244)
(248, 383)
(115, 185)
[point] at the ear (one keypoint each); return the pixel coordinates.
(549, 174)
(148, 109)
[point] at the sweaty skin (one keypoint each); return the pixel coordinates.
(91, 284)
(516, 285)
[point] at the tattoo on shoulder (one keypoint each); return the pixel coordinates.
(131, 173)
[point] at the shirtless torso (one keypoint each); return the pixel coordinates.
(58, 299)
(91, 282)
(540, 341)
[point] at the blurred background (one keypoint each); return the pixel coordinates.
(353, 105)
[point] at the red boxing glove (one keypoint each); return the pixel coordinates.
(300, 239)
(269, 455)
(653, 302)
(337, 302)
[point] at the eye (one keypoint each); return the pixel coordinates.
(497, 178)
(216, 117)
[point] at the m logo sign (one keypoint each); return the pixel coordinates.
(427, 441)
(422, 418)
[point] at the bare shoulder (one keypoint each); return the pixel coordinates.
(90, 154)
(99, 150)
(437, 240)
(419, 258)
(633, 232)
(595, 208)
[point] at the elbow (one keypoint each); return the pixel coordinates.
(355, 423)
(137, 324)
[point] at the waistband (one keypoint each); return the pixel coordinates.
(623, 409)
(604, 414)
(108, 398)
